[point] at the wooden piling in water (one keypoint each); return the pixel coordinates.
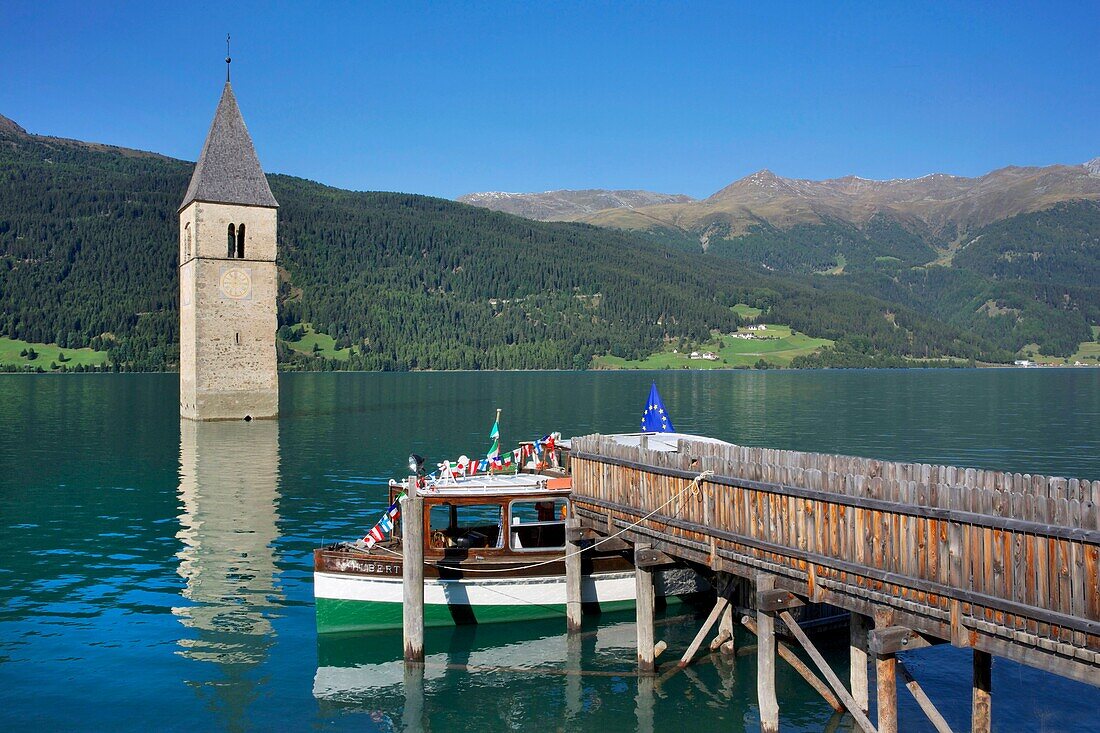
(886, 682)
(573, 607)
(412, 572)
(765, 660)
(643, 581)
(857, 650)
(982, 718)
(799, 666)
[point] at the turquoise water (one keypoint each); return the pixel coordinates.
(158, 576)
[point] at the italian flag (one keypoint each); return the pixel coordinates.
(494, 435)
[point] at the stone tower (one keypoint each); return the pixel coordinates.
(228, 279)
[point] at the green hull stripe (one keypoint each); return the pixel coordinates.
(342, 615)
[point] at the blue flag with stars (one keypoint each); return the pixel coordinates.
(655, 419)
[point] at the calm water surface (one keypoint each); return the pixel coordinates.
(155, 575)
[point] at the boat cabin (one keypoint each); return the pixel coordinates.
(495, 515)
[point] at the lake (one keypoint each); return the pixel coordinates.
(158, 575)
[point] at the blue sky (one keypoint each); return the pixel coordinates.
(447, 98)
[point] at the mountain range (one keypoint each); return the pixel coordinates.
(88, 257)
(568, 205)
(939, 206)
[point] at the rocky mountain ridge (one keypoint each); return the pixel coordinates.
(567, 205)
(939, 206)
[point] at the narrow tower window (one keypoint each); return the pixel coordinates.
(237, 336)
(232, 242)
(240, 241)
(187, 241)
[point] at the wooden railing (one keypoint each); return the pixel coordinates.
(1007, 563)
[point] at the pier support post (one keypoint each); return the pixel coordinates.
(982, 718)
(765, 659)
(799, 666)
(886, 681)
(857, 646)
(573, 576)
(643, 582)
(412, 571)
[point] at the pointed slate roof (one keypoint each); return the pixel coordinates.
(228, 171)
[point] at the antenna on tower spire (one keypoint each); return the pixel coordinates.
(228, 60)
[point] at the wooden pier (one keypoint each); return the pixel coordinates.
(1005, 564)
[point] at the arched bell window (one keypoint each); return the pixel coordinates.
(240, 242)
(232, 242)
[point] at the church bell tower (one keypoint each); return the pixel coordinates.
(228, 278)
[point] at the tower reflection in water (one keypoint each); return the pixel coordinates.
(229, 495)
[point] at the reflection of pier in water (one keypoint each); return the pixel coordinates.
(549, 675)
(228, 493)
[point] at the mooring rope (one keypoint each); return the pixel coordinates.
(693, 486)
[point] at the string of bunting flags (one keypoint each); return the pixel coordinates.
(385, 524)
(541, 450)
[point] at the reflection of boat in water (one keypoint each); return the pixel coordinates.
(494, 551)
(369, 668)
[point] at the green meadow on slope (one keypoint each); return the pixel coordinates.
(777, 346)
(23, 355)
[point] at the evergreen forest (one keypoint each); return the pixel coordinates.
(88, 258)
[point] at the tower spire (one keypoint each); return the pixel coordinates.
(228, 59)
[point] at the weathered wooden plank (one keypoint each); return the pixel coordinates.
(1065, 581)
(1042, 579)
(1020, 574)
(998, 587)
(1092, 581)
(1077, 584)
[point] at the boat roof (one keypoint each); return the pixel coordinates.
(520, 484)
(666, 442)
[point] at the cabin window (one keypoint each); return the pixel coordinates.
(538, 524)
(232, 242)
(240, 242)
(465, 526)
(187, 241)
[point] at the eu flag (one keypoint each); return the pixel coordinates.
(655, 419)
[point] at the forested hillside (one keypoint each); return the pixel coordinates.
(88, 258)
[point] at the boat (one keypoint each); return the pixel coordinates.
(494, 547)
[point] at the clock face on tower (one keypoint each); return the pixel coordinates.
(236, 283)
